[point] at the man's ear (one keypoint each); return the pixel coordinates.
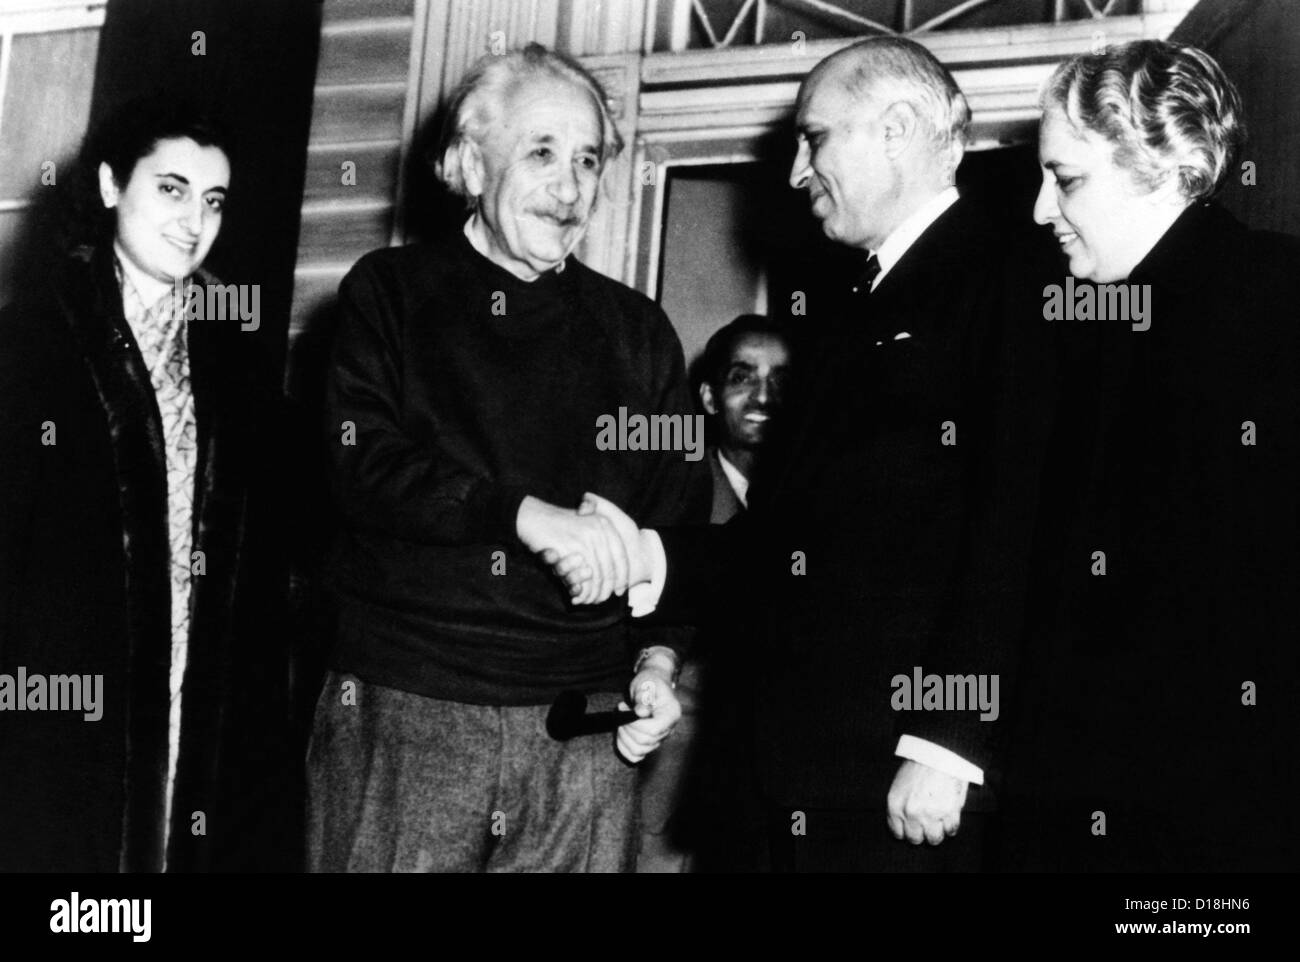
(472, 168)
(900, 125)
(706, 398)
(108, 191)
(956, 152)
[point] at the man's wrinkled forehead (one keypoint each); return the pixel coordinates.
(824, 96)
(547, 112)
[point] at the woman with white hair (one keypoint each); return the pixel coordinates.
(1154, 710)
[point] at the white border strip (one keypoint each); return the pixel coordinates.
(48, 16)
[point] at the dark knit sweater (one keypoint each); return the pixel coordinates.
(470, 389)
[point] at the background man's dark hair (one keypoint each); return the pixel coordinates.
(712, 363)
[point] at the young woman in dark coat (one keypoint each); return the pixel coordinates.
(143, 652)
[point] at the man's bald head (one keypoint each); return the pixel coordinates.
(885, 70)
(881, 128)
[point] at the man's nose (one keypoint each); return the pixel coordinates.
(800, 170)
(565, 186)
(1045, 203)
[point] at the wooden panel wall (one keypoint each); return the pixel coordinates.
(359, 126)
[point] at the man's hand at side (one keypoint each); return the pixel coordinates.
(588, 542)
(651, 692)
(924, 804)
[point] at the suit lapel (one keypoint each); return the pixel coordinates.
(921, 269)
(92, 306)
(220, 493)
(219, 386)
(725, 503)
(844, 358)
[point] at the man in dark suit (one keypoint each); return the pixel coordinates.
(858, 556)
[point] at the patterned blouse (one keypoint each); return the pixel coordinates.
(160, 331)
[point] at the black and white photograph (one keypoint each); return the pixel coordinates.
(745, 438)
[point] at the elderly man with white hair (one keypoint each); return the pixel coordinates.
(464, 394)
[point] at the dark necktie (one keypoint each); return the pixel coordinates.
(870, 271)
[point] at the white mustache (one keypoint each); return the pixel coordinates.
(566, 218)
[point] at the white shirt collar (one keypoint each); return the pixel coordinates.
(739, 483)
(906, 233)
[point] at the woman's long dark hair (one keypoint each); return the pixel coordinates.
(77, 217)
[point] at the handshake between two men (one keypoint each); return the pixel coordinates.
(599, 551)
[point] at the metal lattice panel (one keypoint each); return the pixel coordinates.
(750, 24)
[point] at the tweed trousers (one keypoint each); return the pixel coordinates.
(399, 782)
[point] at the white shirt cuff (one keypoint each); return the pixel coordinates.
(644, 598)
(928, 753)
